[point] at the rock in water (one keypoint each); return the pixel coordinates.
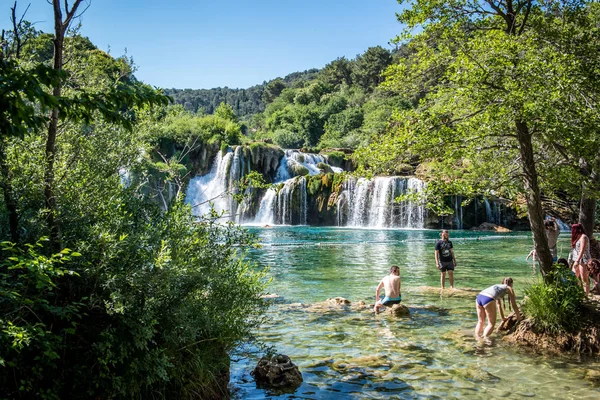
(338, 301)
(398, 310)
(277, 372)
(509, 324)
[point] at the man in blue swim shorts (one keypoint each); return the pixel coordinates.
(391, 285)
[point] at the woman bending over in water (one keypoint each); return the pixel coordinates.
(486, 303)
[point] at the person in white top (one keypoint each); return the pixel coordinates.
(580, 253)
(486, 303)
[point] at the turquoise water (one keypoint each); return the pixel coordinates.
(353, 353)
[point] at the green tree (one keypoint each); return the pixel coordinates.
(494, 94)
(369, 66)
(337, 72)
(225, 111)
(273, 89)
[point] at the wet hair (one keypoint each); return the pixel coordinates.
(563, 262)
(394, 268)
(549, 224)
(576, 232)
(507, 281)
(593, 267)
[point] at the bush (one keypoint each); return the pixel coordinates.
(152, 308)
(555, 306)
(287, 139)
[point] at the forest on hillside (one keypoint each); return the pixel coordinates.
(339, 106)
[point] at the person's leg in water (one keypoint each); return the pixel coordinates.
(451, 278)
(490, 311)
(480, 320)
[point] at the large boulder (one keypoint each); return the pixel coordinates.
(398, 310)
(277, 372)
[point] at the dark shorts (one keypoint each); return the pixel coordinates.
(446, 266)
(387, 301)
(482, 300)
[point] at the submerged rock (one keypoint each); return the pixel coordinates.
(340, 301)
(488, 226)
(398, 310)
(448, 292)
(593, 376)
(277, 372)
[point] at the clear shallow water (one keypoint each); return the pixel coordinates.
(432, 354)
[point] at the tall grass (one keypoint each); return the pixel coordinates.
(555, 305)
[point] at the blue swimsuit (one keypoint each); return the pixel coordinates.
(388, 301)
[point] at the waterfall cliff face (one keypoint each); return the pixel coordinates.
(347, 202)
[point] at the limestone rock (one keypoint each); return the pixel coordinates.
(277, 372)
(338, 301)
(488, 226)
(398, 310)
(593, 376)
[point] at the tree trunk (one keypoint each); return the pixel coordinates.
(60, 28)
(7, 191)
(534, 203)
(49, 197)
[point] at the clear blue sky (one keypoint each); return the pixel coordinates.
(236, 43)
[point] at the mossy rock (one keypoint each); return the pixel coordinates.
(314, 185)
(298, 169)
(336, 158)
(403, 169)
(398, 310)
(325, 168)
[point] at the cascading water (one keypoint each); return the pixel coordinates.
(216, 187)
(372, 203)
(458, 212)
(289, 204)
(360, 202)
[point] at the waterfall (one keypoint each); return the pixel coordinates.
(289, 204)
(216, 187)
(458, 212)
(359, 202)
(294, 159)
(371, 203)
(416, 211)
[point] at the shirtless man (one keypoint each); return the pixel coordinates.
(391, 284)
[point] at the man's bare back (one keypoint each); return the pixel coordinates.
(391, 285)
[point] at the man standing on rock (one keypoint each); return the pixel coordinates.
(444, 258)
(391, 284)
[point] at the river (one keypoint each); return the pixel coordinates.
(345, 354)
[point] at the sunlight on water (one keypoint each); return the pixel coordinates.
(432, 354)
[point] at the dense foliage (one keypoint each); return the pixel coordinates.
(245, 102)
(130, 299)
(555, 306)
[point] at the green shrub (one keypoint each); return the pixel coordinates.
(288, 139)
(336, 158)
(555, 306)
